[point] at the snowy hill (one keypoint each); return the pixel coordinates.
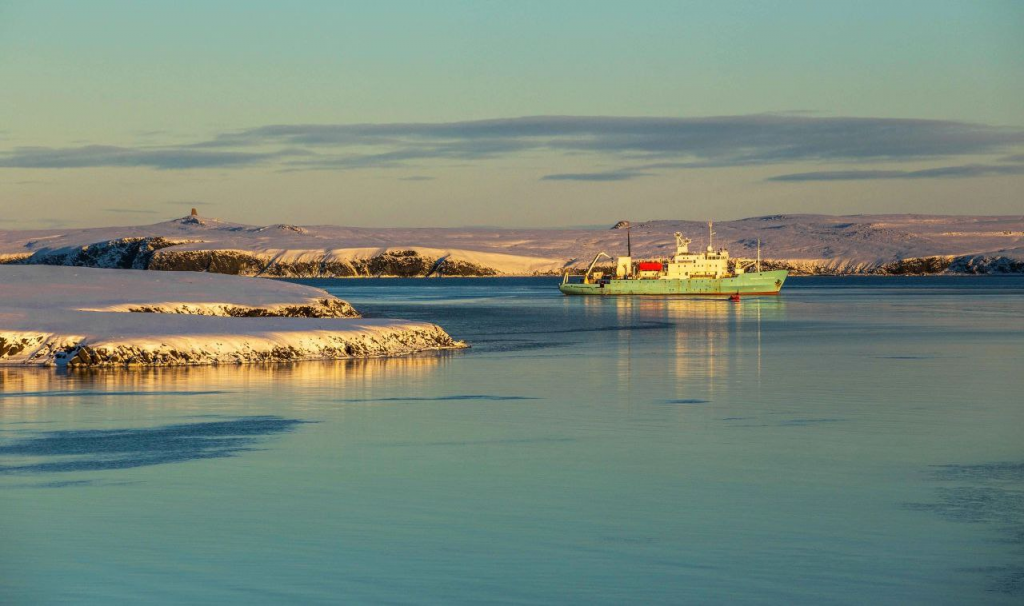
(802, 243)
(90, 317)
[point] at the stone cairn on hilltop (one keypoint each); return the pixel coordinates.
(192, 219)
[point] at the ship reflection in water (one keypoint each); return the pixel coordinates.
(709, 338)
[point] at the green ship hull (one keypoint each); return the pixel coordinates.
(754, 283)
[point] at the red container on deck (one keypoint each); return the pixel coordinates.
(650, 266)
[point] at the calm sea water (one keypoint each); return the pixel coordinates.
(855, 440)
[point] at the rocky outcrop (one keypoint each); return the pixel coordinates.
(455, 267)
(12, 258)
(232, 262)
(122, 253)
(33, 348)
(78, 352)
(13, 344)
(106, 317)
(392, 264)
(323, 308)
(980, 264)
(399, 341)
(916, 266)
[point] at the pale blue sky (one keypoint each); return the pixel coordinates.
(108, 107)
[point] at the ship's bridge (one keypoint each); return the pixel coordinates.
(686, 264)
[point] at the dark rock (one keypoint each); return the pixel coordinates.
(123, 253)
(916, 266)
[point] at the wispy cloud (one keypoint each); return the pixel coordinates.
(110, 156)
(53, 222)
(134, 211)
(943, 172)
(189, 203)
(756, 138)
(612, 175)
(640, 144)
(416, 178)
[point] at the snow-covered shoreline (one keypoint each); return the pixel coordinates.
(68, 316)
(804, 244)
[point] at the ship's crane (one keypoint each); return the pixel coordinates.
(586, 276)
(745, 264)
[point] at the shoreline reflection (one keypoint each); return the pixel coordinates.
(23, 387)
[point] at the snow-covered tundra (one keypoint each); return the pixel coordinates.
(804, 244)
(79, 316)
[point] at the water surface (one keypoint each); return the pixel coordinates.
(856, 440)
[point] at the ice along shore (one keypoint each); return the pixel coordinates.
(87, 317)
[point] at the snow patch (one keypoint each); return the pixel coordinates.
(83, 317)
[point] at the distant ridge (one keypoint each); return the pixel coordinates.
(803, 243)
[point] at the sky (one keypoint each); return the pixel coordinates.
(521, 114)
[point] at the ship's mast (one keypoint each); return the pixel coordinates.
(711, 238)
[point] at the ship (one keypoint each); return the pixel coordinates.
(706, 273)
